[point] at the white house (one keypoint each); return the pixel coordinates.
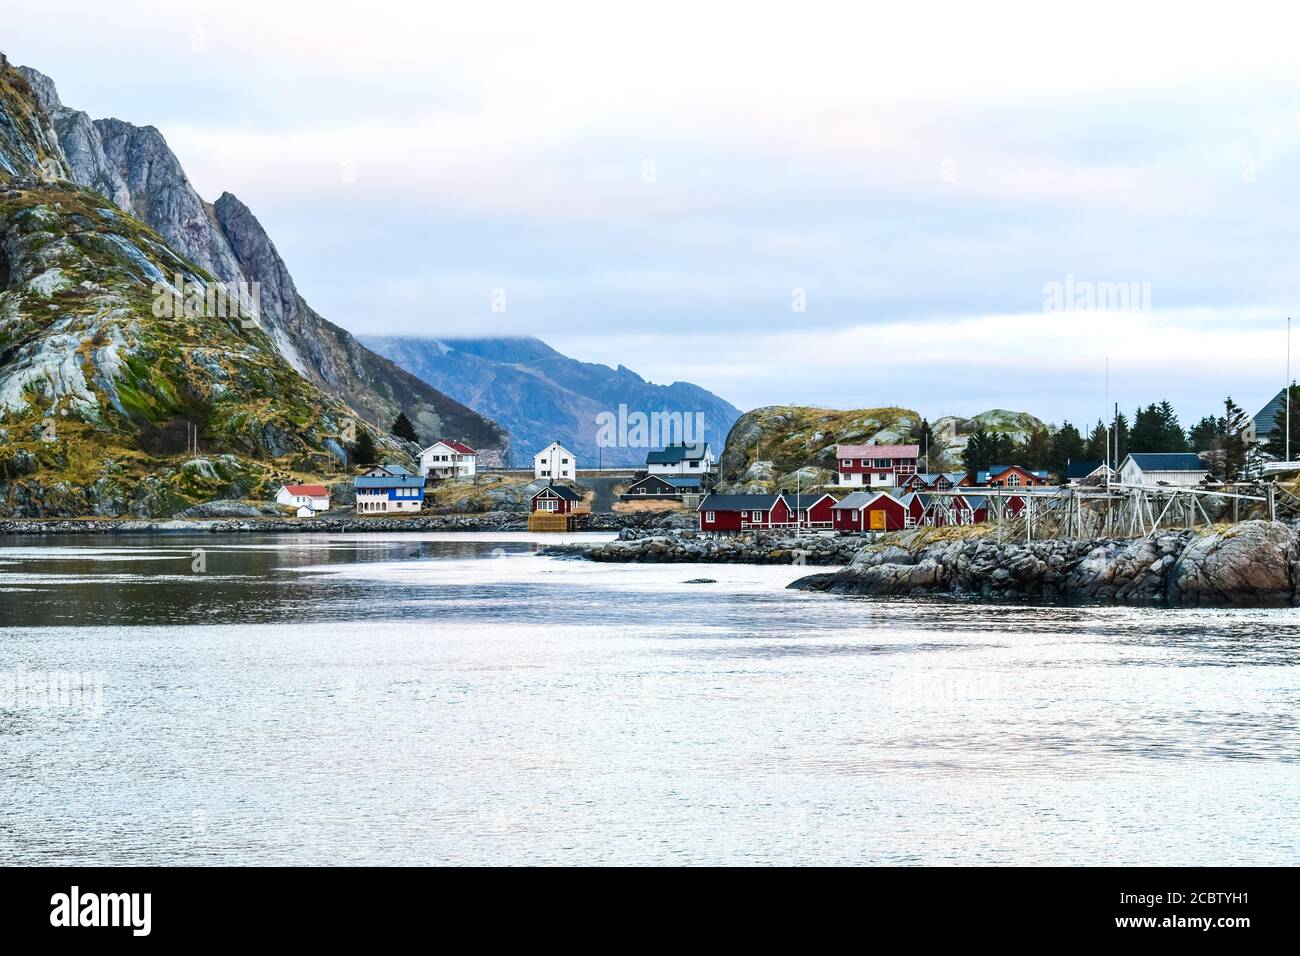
(305, 511)
(683, 459)
(448, 459)
(315, 497)
(555, 461)
(1180, 469)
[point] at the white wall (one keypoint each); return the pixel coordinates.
(555, 461)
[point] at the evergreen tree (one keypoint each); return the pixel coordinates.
(1098, 440)
(1067, 447)
(1156, 428)
(1205, 433)
(980, 448)
(1035, 453)
(364, 451)
(403, 428)
(1232, 443)
(1119, 438)
(1276, 445)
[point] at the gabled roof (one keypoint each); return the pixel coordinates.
(862, 499)
(308, 491)
(802, 502)
(1266, 418)
(393, 469)
(1167, 461)
(388, 481)
(559, 491)
(877, 451)
(738, 502)
(976, 502)
(679, 481)
(1082, 469)
(456, 446)
(556, 445)
(674, 454)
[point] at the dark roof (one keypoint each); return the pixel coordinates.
(677, 453)
(1082, 469)
(802, 502)
(561, 491)
(1168, 461)
(738, 502)
(680, 481)
(1266, 419)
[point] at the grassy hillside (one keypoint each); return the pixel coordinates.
(99, 392)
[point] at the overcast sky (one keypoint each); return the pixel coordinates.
(664, 185)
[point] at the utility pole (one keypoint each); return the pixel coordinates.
(1288, 388)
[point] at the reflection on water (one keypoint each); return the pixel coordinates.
(460, 699)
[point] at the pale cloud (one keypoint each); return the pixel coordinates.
(649, 184)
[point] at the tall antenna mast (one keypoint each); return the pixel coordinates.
(1288, 388)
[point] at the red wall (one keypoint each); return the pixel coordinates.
(730, 520)
(561, 508)
(894, 512)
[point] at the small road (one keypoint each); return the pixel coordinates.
(603, 486)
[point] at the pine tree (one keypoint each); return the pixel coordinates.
(1067, 447)
(403, 428)
(1035, 453)
(979, 451)
(1098, 442)
(364, 451)
(1232, 443)
(1203, 435)
(1276, 445)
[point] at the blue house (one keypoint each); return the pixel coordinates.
(387, 494)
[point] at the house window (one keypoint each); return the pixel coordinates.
(847, 463)
(883, 462)
(854, 514)
(866, 463)
(1013, 480)
(709, 516)
(564, 461)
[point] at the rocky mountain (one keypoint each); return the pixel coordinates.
(540, 395)
(103, 394)
(782, 446)
(134, 168)
(955, 431)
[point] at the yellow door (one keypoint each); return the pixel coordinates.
(877, 520)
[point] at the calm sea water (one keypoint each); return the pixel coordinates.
(461, 699)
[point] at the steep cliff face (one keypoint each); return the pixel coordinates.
(107, 380)
(334, 359)
(134, 168)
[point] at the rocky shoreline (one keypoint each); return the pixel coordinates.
(691, 547)
(492, 521)
(1251, 564)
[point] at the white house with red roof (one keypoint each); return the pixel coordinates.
(448, 459)
(876, 466)
(315, 497)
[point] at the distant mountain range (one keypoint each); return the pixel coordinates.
(540, 395)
